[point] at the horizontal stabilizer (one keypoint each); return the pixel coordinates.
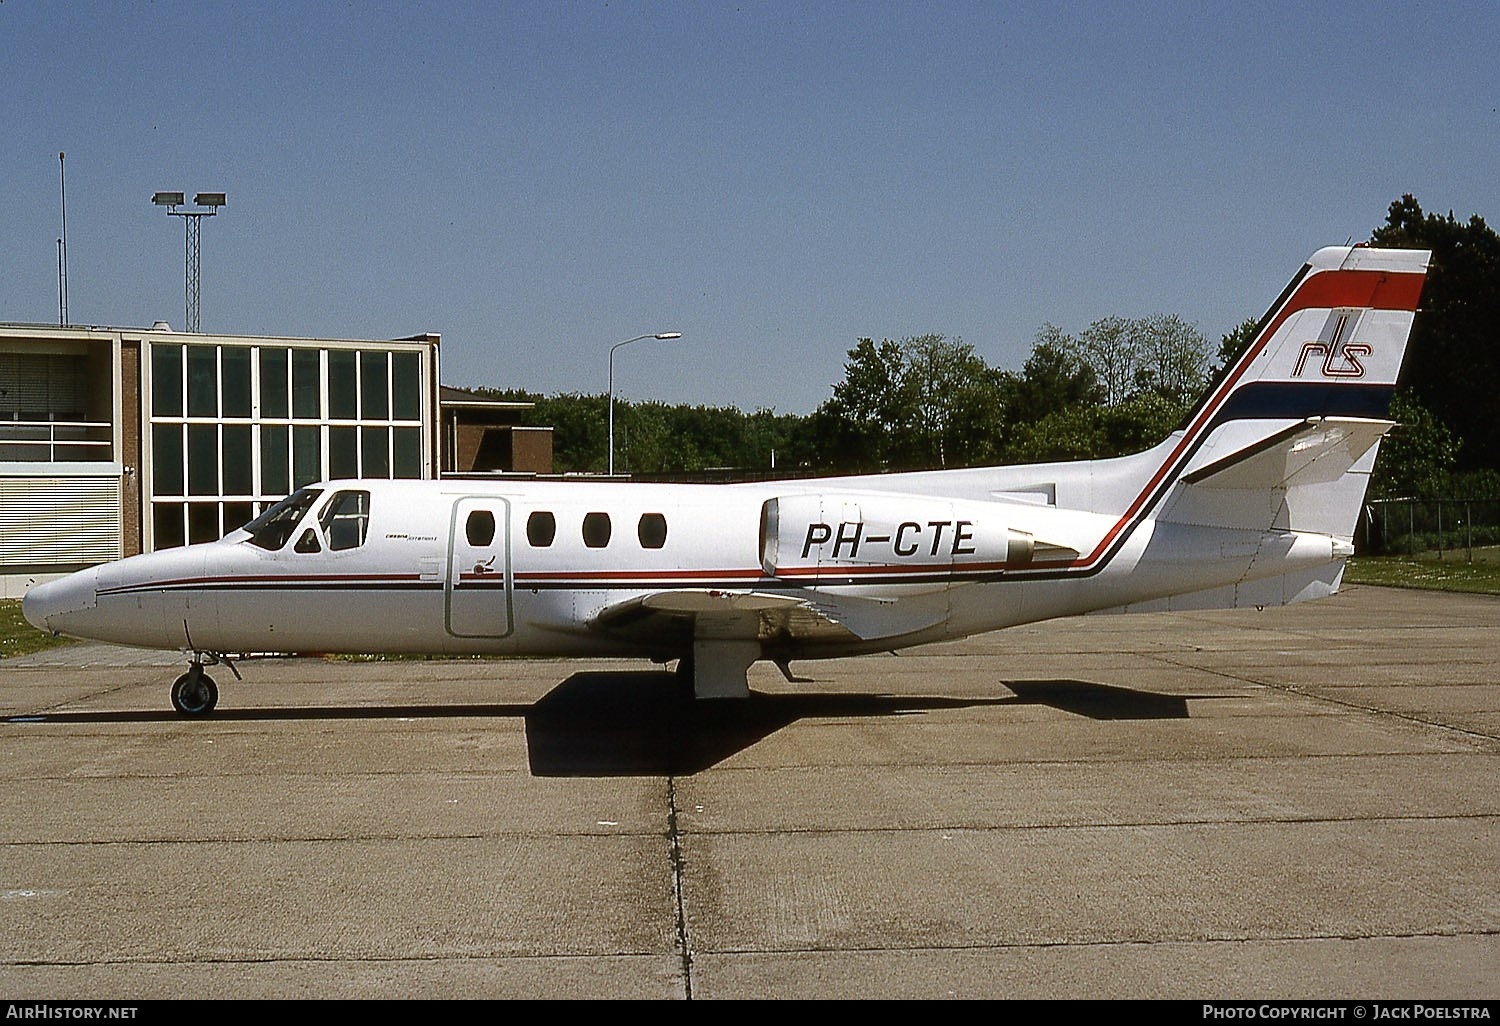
(1317, 451)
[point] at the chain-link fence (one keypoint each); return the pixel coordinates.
(1460, 529)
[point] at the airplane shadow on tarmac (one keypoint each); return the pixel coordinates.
(630, 724)
(602, 724)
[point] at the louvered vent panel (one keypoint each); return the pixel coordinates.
(48, 521)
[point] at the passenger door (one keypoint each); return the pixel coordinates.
(479, 575)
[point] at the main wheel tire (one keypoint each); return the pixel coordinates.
(684, 678)
(195, 694)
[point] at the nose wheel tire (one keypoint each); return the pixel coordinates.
(195, 693)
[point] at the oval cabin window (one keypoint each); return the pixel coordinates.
(596, 529)
(541, 528)
(652, 530)
(480, 530)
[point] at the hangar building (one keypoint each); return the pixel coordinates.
(115, 441)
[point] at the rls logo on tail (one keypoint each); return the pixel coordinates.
(1340, 358)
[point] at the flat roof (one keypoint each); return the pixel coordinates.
(452, 395)
(77, 331)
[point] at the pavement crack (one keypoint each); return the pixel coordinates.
(674, 851)
(1319, 694)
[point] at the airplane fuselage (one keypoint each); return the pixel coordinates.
(473, 567)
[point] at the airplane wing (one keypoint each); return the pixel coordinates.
(684, 614)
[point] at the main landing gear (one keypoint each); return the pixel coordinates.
(195, 693)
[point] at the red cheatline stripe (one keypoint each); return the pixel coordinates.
(299, 579)
(619, 575)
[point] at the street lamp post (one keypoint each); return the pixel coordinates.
(660, 336)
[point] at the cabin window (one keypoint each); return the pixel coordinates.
(272, 528)
(596, 530)
(345, 519)
(652, 530)
(541, 528)
(480, 528)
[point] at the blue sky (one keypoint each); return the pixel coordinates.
(537, 181)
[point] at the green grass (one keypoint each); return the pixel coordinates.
(17, 637)
(1426, 571)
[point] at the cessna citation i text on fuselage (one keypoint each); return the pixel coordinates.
(1254, 502)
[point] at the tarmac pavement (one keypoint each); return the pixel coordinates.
(1294, 803)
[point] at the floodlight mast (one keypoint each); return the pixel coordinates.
(208, 204)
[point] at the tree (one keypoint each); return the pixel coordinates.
(1416, 458)
(924, 402)
(1232, 345)
(1053, 378)
(1452, 363)
(866, 407)
(1111, 348)
(1059, 408)
(957, 402)
(1131, 356)
(1085, 432)
(1170, 356)
(658, 438)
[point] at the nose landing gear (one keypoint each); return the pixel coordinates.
(195, 693)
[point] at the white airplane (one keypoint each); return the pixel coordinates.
(1253, 503)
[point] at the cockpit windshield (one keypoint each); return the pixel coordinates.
(272, 528)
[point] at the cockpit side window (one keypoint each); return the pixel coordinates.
(346, 519)
(272, 528)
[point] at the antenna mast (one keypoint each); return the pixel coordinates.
(62, 247)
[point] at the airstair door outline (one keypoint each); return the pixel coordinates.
(479, 581)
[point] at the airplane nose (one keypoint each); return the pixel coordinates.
(47, 607)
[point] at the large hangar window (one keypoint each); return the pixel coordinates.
(234, 428)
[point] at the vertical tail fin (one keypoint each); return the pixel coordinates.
(1279, 452)
(1286, 438)
(1331, 346)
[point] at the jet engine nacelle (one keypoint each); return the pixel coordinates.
(852, 533)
